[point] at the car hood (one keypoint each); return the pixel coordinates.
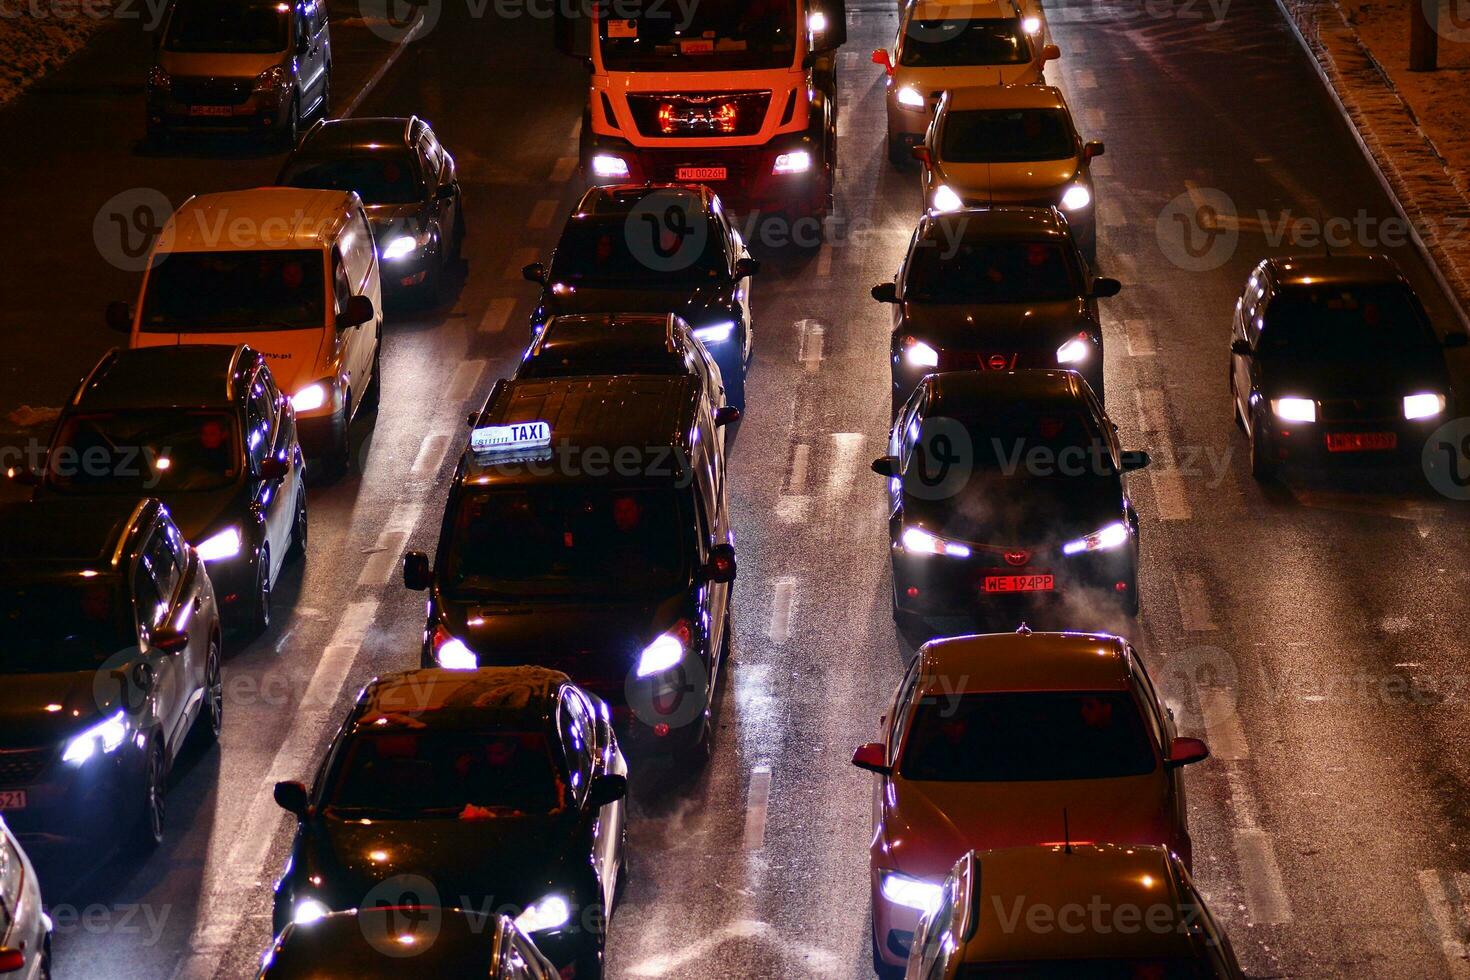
(195, 64)
(998, 183)
(85, 698)
(198, 514)
(561, 634)
(388, 219)
(294, 355)
(984, 326)
(936, 78)
(1355, 379)
(695, 303)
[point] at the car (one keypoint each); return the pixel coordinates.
(497, 786)
(587, 530)
(242, 66)
(1011, 145)
(622, 343)
(25, 928)
(113, 660)
(994, 289)
(1068, 910)
(1005, 491)
(408, 183)
(205, 429)
(383, 943)
(688, 259)
(1009, 740)
(1334, 359)
(294, 274)
(943, 44)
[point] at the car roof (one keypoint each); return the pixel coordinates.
(358, 943)
(964, 9)
(615, 333)
(1056, 876)
(1345, 270)
(1007, 97)
(67, 531)
(344, 137)
(183, 376)
(512, 698)
(959, 393)
(1008, 222)
(619, 199)
(277, 217)
(1024, 661)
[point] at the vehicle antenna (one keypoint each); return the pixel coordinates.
(1066, 833)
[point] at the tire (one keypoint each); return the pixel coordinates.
(373, 394)
(148, 832)
(696, 755)
(299, 526)
(259, 619)
(291, 129)
(1263, 468)
(210, 723)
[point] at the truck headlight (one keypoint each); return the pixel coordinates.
(548, 912)
(911, 98)
(664, 653)
(310, 398)
(919, 354)
(1424, 405)
(1112, 536)
(1075, 350)
(911, 893)
(607, 165)
(1076, 198)
(103, 737)
(1294, 409)
(945, 199)
(216, 547)
(794, 162)
(917, 541)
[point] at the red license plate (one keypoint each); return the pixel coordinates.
(700, 174)
(1360, 442)
(12, 799)
(1020, 583)
(211, 110)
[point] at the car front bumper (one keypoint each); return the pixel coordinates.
(70, 804)
(259, 113)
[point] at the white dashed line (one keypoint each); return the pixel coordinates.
(430, 455)
(756, 808)
(519, 259)
(383, 559)
(496, 315)
(782, 607)
(1140, 338)
(463, 383)
(1194, 603)
(542, 214)
(1265, 894)
(847, 449)
(562, 171)
(1170, 499)
(810, 352)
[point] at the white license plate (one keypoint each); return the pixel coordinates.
(701, 173)
(12, 799)
(211, 110)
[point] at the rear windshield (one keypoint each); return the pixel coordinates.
(1026, 737)
(229, 28)
(162, 452)
(940, 43)
(990, 272)
(666, 245)
(1007, 136)
(378, 178)
(576, 363)
(1338, 322)
(227, 292)
(60, 628)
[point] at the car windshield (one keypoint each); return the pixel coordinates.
(1026, 737)
(378, 178)
(1006, 136)
(162, 451)
(227, 292)
(640, 250)
(989, 272)
(1136, 968)
(947, 43)
(565, 540)
(231, 28)
(447, 773)
(1345, 323)
(712, 35)
(575, 363)
(51, 627)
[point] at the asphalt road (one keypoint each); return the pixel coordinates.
(1312, 633)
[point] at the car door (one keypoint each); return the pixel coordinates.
(735, 251)
(272, 500)
(354, 343)
(578, 731)
(157, 578)
(901, 441)
(1247, 309)
(438, 175)
(311, 58)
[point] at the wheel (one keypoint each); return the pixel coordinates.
(260, 610)
(291, 128)
(696, 754)
(374, 391)
(1263, 467)
(299, 526)
(210, 723)
(898, 153)
(149, 832)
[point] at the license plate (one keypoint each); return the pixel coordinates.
(12, 799)
(1020, 583)
(1358, 442)
(211, 110)
(700, 173)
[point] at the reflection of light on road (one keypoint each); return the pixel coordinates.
(814, 960)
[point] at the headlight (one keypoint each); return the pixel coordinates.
(606, 165)
(945, 199)
(911, 893)
(270, 79)
(1112, 536)
(919, 354)
(1075, 350)
(715, 333)
(1295, 409)
(105, 736)
(308, 910)
(551, 912)
(917, 541)
(405, 245)
(453, 654)
(816, 22)
(225, 544)
(310, 398)
(911, 97)
(795, 162)
(1031, 25)
(159, 80)
(1076, 198)
(1423, 405)
(664, 653)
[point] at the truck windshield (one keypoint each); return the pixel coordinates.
(712, 35)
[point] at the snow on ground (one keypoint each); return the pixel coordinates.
(36, 36)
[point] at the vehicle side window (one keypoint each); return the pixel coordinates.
(428, 163)
(157, 578)
(356, 243)
(1148, 698)
(341, 285)
(903, 707)
(578, 736)
(260, 419)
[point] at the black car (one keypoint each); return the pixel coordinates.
(656, 248)
(621, 343)
(1004, 489)
(494, 789)
(112, 658)
(994, 289)
(204, 428)
(389, 943)
(408, 183)
(587, 531)
(1334, 358)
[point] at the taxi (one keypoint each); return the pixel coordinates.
(1010, 740)
(1070, 910)
(587, 530)
(1006, 492)
(291, 272)
(952, 44)
(498, 788)
(994, 289)
(1011, 145)
(1333, 359)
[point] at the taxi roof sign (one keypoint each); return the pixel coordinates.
(514, 437)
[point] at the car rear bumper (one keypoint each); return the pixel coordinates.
(936, 585)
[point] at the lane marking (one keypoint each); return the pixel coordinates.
(1265, 894)
(497, 314)
(757, 807)
(465, 380)
(1223, 729)
(824, 260)
(519, 258)
(1194, 603)
(1444, 896)
(847, 448)
(796, 476)
(1140, 338)
(810, 352)
(783, 604)
(562, 170)
(1101, 166)
(383, 560)
(430, 455)
(542, 214)
(1084, 78)
(1170, 498)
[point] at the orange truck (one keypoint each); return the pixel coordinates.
(740, 95)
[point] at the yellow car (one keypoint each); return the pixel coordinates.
(1071, 910)
(942, 44)
(1011, 145)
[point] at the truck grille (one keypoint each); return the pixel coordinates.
(699, 115)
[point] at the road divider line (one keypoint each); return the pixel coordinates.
(824, 260)
(1222, 724)
(519, 259)
(796, 473)
(383, 559)
(783, 604)
(1260, 876)
(1140, 338)
(810, 352)
(430, 455)
(1194, 603)
(847, 448)
(464, 381)
(497, 314)
(757, 807)
(1170, 499)
(1440, 898)
(542, 214)
(562, 170)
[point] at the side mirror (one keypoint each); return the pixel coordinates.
(1187, 751)
(274, 468)
(727, 415)
(291, 797)
(359, 311)
(607, 788)
(1243, 347)
(746, 267)
(1051, 53)
(534, 272)
(885, 292)
(1133, 459)
(721, 565)
(920, 152)
(119, 316)
(886, 466)
(417, 574)
(445, 193)
(880, 57)
(170, 641)
(872, 757)
(1092, 149)
(1103, 287)
(1454, 341)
